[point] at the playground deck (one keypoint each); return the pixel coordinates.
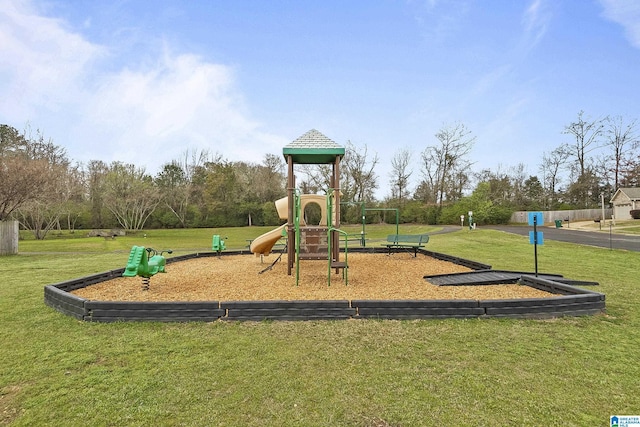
(494, 277)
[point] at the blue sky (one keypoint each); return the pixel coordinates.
(144, 81)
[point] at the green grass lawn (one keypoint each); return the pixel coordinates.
(55, 370)
(185, 241)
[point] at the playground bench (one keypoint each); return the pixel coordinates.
(406, 241)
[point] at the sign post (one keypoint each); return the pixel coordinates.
(535, 237)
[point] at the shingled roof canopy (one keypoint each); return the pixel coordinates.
(313, 148)
(633, 193)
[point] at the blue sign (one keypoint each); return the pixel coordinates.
(532, 238)
(537, 217)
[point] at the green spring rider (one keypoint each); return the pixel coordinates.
(145, 262)
(217, 244)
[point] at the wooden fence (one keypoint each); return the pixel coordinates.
(572, 215)
(8, 237)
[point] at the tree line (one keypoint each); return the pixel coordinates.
(44, 190)
(596, 157)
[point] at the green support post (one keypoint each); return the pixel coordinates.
(297, 212)
(332, 229)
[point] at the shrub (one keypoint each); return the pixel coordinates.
(635, 213)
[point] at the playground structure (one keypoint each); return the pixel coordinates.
(142, 263)
(306, 241)
(322, 242)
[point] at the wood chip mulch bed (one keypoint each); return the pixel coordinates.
(236, 278)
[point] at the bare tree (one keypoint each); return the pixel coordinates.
(130, 195)
(360, 179)
(175, 189)
(22, 175)
(43, 212)
(192, 160)
(95, 175)
(444, 163)
(517, 177)
(400, 174)
(61, 196)
(587, 134)
(623, 140)
(314, 178)
(11, 141)
(631, 172)
(73, 187)
(552, 164)
(181, 181)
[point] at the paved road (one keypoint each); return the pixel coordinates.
(592, 238)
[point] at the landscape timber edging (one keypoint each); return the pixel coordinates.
(288, 310)
(572, 301)
(418, 309)
(174, 311)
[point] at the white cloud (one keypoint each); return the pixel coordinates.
(490, 80)
(627, 14)
(180, 103)
(439, 20)
(42, 64)
(535, 21)
(146, 114)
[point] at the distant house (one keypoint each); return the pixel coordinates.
(625, 200)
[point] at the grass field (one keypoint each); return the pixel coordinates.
(57, 371)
